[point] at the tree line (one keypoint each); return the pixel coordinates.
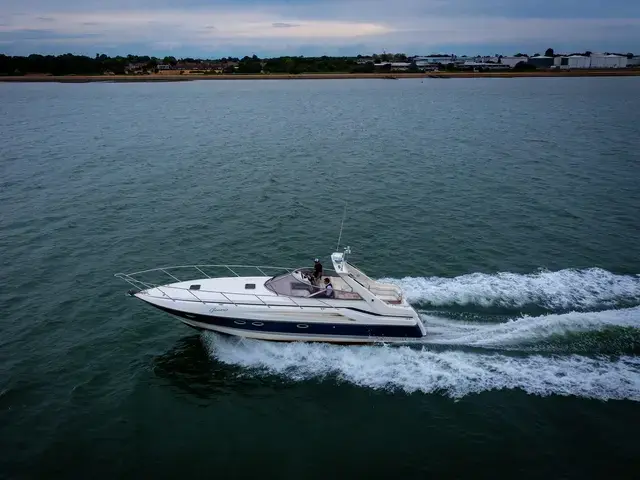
(296, 65)
(69, 64)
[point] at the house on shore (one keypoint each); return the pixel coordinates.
(135, 68)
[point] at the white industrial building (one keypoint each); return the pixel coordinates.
(400, 66)
(482, 59)
(608, 61)
(508, 61)
(513, 61)
(573, 61)
(595, 60)
(394, 66)
(633, 61)
(485, 65)
(434, 60)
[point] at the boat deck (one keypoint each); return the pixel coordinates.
(261, 289)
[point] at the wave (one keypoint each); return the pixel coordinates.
(528, 330)
(568, 289)
(452, 373)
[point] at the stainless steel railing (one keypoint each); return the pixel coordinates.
(134, 280)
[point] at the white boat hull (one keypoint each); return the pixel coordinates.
(275, 337)
(336, 325)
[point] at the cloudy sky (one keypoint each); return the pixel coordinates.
(215, 28)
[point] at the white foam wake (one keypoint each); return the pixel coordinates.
(453, 373)
(525, 329)
(565, 289)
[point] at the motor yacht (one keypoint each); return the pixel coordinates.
(291, 305)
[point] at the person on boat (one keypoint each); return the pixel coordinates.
(317, 271)
(328, 288)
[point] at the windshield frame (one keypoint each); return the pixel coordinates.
(309, 287)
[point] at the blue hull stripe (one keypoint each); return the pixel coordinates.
(301, 328)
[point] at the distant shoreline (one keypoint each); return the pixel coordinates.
(314, 76)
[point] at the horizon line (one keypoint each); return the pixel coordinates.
(359, 55)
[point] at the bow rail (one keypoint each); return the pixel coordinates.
(224, 266)
(140, 280)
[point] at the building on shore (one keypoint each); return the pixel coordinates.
(572, 61)
(633, 61)
(489, 60)
(134, 68)
(595, 60)
(513, 61)
(430, 60)
(541, 62)
(394, 66)
(483, 66)
(482, 59)
(599, 60)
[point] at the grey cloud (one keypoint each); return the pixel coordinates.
(418, 25)
(371, 10)
(33, 34)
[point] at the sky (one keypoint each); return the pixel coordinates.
(219, 28)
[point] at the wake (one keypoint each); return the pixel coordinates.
(440, 363)
(525, 330)
(567, 289)
(452, 373)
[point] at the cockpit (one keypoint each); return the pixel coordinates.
(298, 283)
(293, 284)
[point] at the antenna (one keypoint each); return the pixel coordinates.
(344, 214)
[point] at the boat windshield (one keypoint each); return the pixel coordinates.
(298, 284)
(290, 285)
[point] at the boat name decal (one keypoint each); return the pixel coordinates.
(218, 309)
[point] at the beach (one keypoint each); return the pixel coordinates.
(316, 76)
